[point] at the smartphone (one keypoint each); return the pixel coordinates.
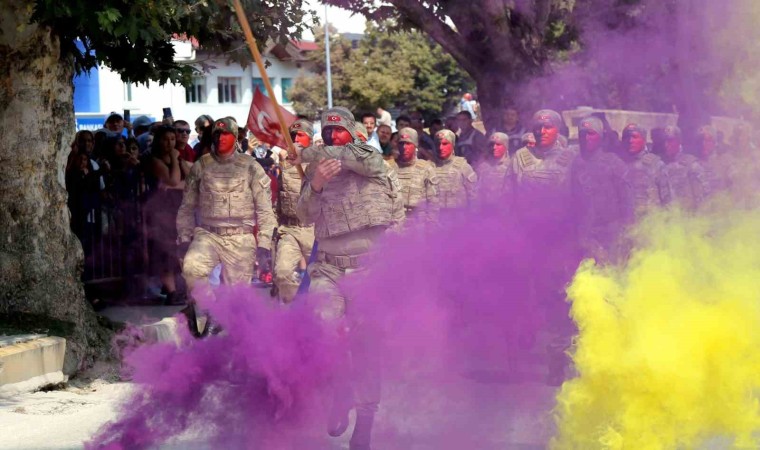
(167, 113)
(126, 115)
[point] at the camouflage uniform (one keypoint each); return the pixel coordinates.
(457, 181)
(228, 195)
(353, 211)
(647, 179)
(493, 174)
(295, 239)
(687, 181)
(601, 196)
(419, 184)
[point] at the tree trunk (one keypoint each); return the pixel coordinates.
(491, 93)
(40, 258)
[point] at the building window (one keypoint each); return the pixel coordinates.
(286, 83)
(196, 92)
(229, 89)
(259, 82)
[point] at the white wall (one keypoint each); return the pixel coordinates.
(150, 100)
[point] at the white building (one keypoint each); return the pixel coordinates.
(224, 90)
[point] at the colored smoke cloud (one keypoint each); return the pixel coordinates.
(461, 340)
(667, 349)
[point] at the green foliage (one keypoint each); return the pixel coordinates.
(402, 70)
(134, 37)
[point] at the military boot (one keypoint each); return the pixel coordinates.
(362, 436)
(337, 421)
(192, 319)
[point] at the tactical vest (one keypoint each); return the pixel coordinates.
(595, 181)
(351, 202)
(451, 183)
(290, 191)
(684, 187)
(493, 178)
(225, 188)
(552, 170)
(413, 187)
(643, 176)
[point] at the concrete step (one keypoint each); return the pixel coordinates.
(28, 362)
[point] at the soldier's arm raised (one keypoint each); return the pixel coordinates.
(262, 203)
(362, 160)
(186, 213)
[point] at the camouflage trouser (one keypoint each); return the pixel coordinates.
(237, 254)
(294, 243)
(364, 362)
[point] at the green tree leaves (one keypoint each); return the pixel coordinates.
(134, 37)
(404, 70)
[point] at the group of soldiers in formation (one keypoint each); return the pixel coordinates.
(345, 195)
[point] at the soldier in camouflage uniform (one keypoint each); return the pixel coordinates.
(686, 177)
(418, 180)
(231, 193)
(544, 168)
(347, 172)
(601, 196)
(295, 239)
(539, 187)
(493, 169)
(646, 172)
(715, 169)
(457, 181)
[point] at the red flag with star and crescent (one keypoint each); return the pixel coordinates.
(262, 120)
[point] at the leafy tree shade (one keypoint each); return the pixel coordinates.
(661, 55)
(40, 259)
(403, 70)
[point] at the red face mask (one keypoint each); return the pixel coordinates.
(636, 143)
(303, 139)
(341, 136)
(445, 149)
(548, 134)
(406, 151)
(225, 143)
(499, 150)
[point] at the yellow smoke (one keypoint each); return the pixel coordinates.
(668, 351)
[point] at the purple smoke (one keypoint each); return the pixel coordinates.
(451, 311)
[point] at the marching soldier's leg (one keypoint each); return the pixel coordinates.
(200, 260)
(238, 255)
(288, 255)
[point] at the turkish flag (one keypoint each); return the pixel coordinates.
(262, 120)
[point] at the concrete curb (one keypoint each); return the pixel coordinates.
(29, 365)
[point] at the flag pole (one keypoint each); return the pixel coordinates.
(263, 72)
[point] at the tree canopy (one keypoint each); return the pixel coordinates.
(134, 38)
(403, 70)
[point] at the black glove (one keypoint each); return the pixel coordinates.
(264, 258)
(182, 249)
